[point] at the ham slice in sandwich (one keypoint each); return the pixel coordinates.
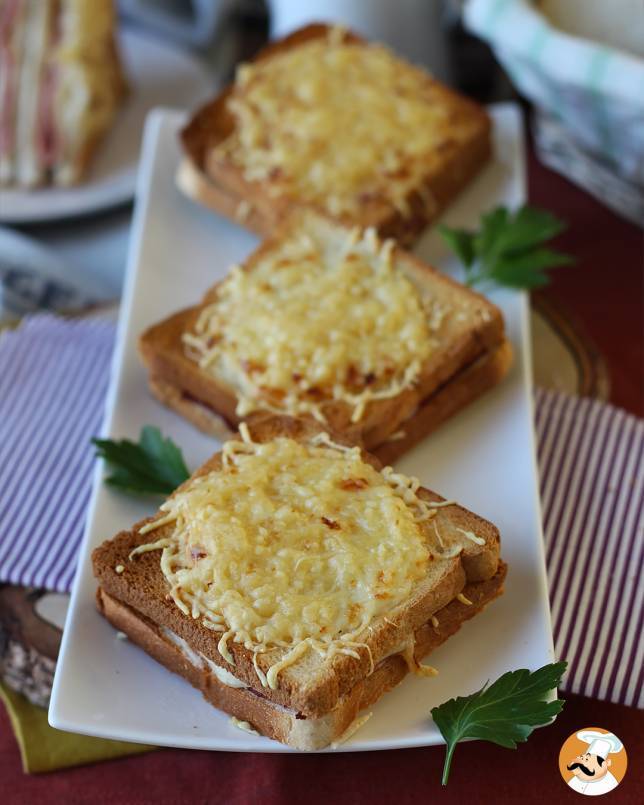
(61, 85)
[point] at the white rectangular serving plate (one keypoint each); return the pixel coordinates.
(484, 458)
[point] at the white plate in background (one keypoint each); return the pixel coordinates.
(158, 74)
(484, 458)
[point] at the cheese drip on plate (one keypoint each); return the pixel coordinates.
(314, 320)
(292, 546)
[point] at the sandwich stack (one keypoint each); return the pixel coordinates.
(293, 580)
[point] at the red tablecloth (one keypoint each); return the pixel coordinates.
(481, 773)
(605, 290)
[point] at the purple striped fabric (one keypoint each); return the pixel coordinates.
(53, 380)
(592, 491)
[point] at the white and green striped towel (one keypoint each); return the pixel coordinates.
(594, 92)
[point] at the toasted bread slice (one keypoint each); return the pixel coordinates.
(277, 722)
(323, 119)
(461, 326)
(313, 684)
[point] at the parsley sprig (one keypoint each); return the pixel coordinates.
(154, 465)
(505, 712)
(509, 248)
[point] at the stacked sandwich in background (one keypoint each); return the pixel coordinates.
(325, 120)
(293, 579)
(61, 85)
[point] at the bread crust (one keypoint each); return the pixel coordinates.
(311, 686)
(447, 174)
(473, 328)
(80, 162)
(459, 391)
(466, 386)
(290, 727)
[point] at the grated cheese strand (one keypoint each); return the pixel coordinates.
(414, 666)
(244, 726)
(471, 536)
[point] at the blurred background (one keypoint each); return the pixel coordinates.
(576, 65)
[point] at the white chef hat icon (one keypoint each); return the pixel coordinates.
(601, 743)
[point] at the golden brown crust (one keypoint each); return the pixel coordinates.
(445, 177)
(204, 191)
(466, 386)
(199, 414)
(288, 726)
(310, 686)
(459, 391)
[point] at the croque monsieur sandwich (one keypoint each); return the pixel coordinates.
(324, 120)
(61, 85)
(293, 580)
(329, 323)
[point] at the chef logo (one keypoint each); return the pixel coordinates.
(593, 761)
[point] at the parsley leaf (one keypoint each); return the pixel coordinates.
(505, 712)
(529, 227)
(461, 242)
(153, 466)
(509, 248)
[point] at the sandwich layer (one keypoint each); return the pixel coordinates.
(300, 616)
(231, 695)
(61, 84)
(91, 84)
(326, 322)
(354, 132)
(466, 386)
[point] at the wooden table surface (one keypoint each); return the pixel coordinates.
(604, 292)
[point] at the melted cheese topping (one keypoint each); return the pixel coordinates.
(350, 730)
(293, 546)
(200, 661)
(244, 726)
(317, 319)
(338, 124)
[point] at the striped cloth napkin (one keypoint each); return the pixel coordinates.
(591, 472)
(53, 381)
(591, 92)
